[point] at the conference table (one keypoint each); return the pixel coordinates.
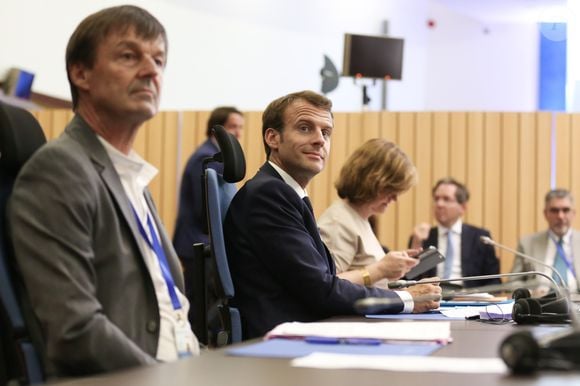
(471, 339)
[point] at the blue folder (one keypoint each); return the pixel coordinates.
(288, 348)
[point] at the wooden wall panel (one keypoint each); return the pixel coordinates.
(405, 204)
(189, 138)
(44, 117)
(474, 169)
(423, 162)
(543, 166)
(457, 146)
(575, 163)
(354, 131)
(441, 149)
(509, 179)
(527, 198)
(504, 159)
(169, 171)
(492, 174)
(252, 143)
(563, 140)
(387, 223)
(371, 127)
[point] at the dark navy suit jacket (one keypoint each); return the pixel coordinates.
(280, 267)
(190, 227)
(476, 258)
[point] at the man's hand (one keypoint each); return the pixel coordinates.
(422, 292)
(420, 234)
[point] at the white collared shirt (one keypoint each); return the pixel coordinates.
(300, 191)
(405, 296)
(455, 242)
(135, 174)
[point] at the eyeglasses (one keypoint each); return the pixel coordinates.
(565, 210)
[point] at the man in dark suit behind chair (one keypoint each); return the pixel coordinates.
(191, 223)
(281, 269)
(465, 254)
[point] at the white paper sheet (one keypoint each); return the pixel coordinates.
(407, 363)
(497, 311)
(461, 312)
(407, 331)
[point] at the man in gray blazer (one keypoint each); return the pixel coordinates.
(559, 245)
(102, 276)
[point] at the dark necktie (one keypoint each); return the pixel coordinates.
(560, 263)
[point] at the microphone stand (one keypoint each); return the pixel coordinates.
(374, 305)
(560, 351)
(407, 283)
(560, 291)
(509, 286)
(489, 241)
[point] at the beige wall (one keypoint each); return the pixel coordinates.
(504, 158)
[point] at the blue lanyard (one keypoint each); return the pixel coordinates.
(155, 245)
(560, 251)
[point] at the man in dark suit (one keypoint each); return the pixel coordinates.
(465, 254)
(103, 278)
(281, 269)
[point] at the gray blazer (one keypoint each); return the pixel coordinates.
(535, 245)
(75, 240)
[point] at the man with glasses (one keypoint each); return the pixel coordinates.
(559, 245)
(465, 254)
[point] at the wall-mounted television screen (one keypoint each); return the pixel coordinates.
(372, 57)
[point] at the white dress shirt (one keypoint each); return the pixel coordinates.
(135, 174)
(456, 244)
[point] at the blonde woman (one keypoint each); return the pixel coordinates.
(372, 177)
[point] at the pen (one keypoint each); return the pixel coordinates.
(351, 341)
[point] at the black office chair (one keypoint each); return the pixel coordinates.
(219, 191)
(20, 136)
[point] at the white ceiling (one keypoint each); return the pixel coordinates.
(515, 10)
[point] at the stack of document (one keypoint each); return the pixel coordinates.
(436, 332)
(492, 311)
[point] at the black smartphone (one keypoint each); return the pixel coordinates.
(428, 259)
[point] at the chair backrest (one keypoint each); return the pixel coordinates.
(219, 196)
(20, 137)
(220, 190)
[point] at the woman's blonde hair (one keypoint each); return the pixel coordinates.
(377, 167)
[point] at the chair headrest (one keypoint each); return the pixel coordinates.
(232, 155)
(20, 136)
